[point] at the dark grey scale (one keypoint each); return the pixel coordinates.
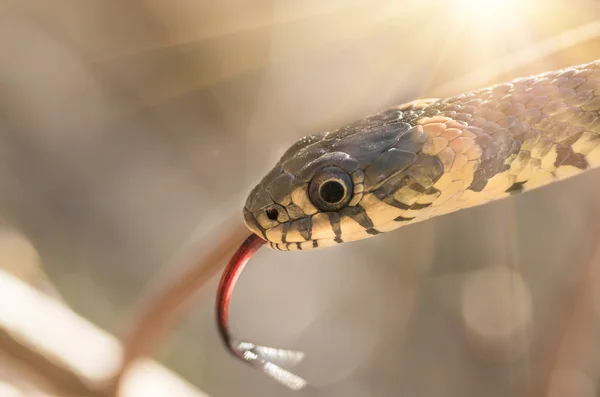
(419, 206)
(493, 156)
(387, 116)
(410, 115)
(386, 192)
(490, 164)
(301, 144)
(412, 141)
(390, 200)
(280, 187)
(394, 184)
(386, 165)
(516, 188)
(418, 106)
(433, 192)
(418, 187)
(296, 163)
(566, 156)
(334, 221)
(377, 120)
(403, 219)
(315, 244)
(426, 170)
(366, 147)
(479, 180)
(421, 114)
(359, 214)
(431, 112)
(284, 231)
(249, 219)
(304, 227)
(299, 246)
(340, 159)
(271, 175)
(347, 131)
(258, 199)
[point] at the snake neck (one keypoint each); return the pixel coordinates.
(490, 143)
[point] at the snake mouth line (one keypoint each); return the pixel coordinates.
(319, 243)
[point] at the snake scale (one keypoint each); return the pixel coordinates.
(429, 157)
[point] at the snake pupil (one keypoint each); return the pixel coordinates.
(332, 192)
(272, 214)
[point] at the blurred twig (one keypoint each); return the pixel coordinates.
(163, 310)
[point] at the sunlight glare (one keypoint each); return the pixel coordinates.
(486, 9)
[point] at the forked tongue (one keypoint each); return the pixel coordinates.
(267, 359)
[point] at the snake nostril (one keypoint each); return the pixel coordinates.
(272, 214)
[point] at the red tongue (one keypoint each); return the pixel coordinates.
(260, 357)
(228, 280)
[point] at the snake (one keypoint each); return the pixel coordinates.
(429, 157)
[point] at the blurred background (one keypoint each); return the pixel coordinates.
(128, 128)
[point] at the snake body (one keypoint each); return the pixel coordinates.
(429, 157)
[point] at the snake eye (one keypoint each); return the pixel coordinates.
(331, 189)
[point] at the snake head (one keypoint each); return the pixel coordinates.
(329, 188)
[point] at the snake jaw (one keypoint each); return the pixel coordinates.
(253, 225)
